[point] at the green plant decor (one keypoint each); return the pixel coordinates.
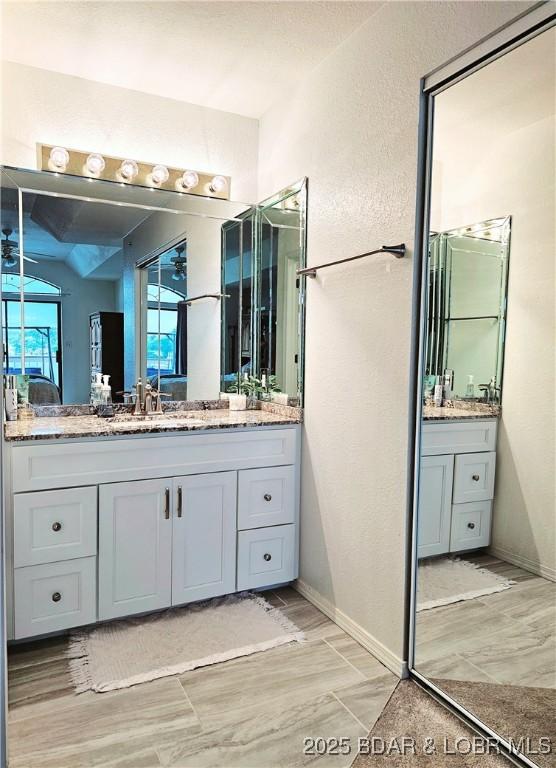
(253, 387)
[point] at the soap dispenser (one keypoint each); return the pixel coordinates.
(106, 390)
(96, 389)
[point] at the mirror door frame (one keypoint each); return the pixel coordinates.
(536, 20)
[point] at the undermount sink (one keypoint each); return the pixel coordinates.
(155, 420)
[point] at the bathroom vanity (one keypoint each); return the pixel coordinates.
(456, 483)
(140, 518)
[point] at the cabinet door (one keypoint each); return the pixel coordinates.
(204, 541)
(135, 547)
(435, 505)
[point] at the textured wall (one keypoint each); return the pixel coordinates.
(352, 128)
(38, 105)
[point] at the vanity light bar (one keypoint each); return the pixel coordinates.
(125, 170)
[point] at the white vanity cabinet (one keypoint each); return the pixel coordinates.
(456, 486)
(180, 518)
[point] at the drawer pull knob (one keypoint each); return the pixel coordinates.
(56, 527)
(56, 597)
(476, 478)
(267, 497)
(471, 525)
(267, 557)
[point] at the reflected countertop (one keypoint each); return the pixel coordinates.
(461, 410)
(89, 425)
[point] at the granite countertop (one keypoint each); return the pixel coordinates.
(460, 410)
(63, 427)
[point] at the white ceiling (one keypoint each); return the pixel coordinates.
(234, 56)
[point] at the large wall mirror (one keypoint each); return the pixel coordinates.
(485, 598)
(99, 278)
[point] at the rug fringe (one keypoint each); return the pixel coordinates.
(463, 596)
(77, 653)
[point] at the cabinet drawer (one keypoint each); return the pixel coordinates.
(265, 556)
(266, 497)
(474, 477)
(470, 525)
(54, 525)
(461, 437)
(54, 596)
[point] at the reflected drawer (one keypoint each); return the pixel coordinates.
(474, 477)
(459, 437)
(265, 556)
(54, 525)
(470, 525)
(54, 596)
(266, 497)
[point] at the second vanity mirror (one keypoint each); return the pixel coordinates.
(467, 296)
(190, 295)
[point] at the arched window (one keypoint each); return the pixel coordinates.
(11, 283)
(167, 295)
(41, 334)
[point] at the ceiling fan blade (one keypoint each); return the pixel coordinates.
(33, 261)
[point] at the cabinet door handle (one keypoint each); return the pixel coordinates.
(56, 597)
(476, 478)
(267, 557)
(180, 501)
(471, 525)
(56, 527)
(267, 497)
(167, 503)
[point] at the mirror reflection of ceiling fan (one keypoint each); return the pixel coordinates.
(10, 251)
(178, 263)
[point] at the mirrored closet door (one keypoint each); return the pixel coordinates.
(485, 593)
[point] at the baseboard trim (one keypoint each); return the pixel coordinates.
(364, 638)
(523, 562)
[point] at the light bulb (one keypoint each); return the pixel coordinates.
(189, 179)
(59, 158)
(95, 164)
(10, 261)
(218, 184)
(160, 174)
(129, 169)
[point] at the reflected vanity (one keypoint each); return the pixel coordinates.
(484, 626)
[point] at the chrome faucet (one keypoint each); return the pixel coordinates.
(148, 400)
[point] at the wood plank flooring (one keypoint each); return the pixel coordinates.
(254, 711)
(506, 638)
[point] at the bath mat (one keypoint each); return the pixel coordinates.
(130, 651)
(450, 580)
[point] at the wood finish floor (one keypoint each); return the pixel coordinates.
(508, 637)
(254, 711)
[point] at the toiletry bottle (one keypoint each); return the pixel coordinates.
(438, 393)
(10, 397)
(470, 389)
(95, 392)
(106, 390)
(448, 384)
